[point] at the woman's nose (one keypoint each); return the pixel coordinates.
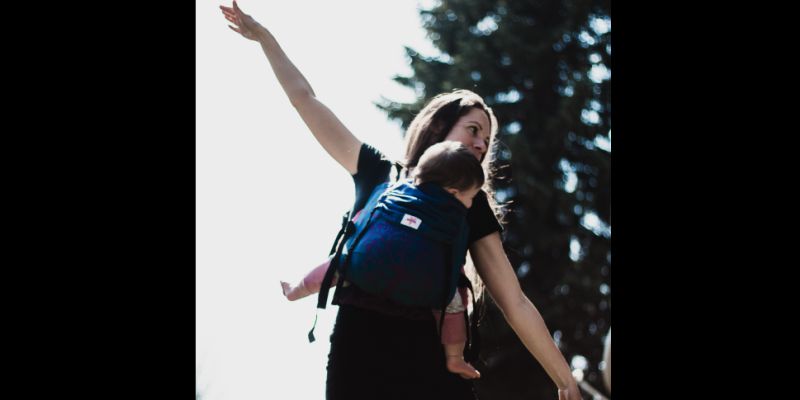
(480, 145)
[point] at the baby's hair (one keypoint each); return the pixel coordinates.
(451, 165)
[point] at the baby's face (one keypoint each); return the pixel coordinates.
(465, 196)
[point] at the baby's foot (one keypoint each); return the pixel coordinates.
(294, 293)
(457, 365)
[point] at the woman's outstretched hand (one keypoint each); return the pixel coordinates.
(571, 392)
(245, 25)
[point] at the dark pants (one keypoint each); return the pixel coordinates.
(376, 356)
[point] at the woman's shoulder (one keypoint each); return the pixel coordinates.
(373, 169)
(373, 165)
(481, 218)
(370, 157)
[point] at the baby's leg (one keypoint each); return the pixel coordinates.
(310, 284)
(296, 292)
(454, 329)
(454, 337)
(456, 363)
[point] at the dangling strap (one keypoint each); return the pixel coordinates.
(347, 229)
(326, 282)
(446, 290)
(353, 246)
(345, 220)
(473, 347)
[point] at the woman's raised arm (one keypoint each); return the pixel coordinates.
(331, 133)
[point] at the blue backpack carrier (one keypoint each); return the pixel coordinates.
(409, 246)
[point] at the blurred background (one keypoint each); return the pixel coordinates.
(270, 200)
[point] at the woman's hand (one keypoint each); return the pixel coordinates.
(571, 392)
(245, 24)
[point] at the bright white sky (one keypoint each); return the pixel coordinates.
(269, 199)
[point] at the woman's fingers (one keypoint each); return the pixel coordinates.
(233, 12)
(234, 19)
(229, 14)
(244, 24)
(238, 10)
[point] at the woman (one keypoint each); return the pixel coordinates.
(416, 368)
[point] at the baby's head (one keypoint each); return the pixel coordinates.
(452, 166)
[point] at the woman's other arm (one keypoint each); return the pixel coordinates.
(496, 271)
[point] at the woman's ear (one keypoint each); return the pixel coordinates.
(452, 191)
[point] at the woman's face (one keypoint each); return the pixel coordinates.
(473, 130)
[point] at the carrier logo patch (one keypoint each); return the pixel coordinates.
(411, 221)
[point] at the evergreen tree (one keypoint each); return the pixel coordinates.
(544, 68)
